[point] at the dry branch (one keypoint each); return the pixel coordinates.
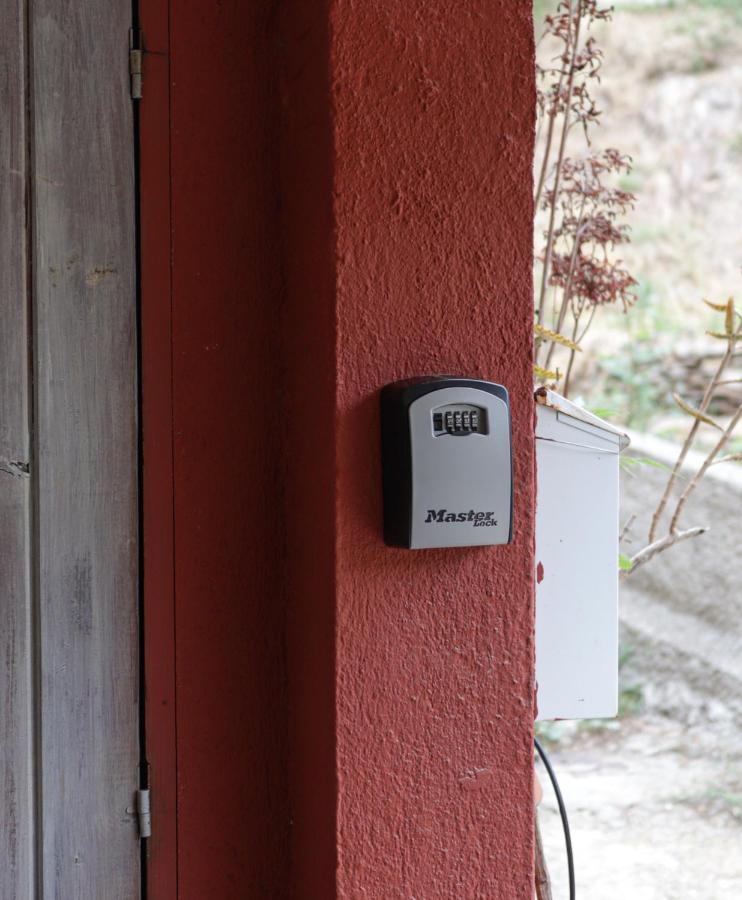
(650, 551)
(689, 440)
(709, 461)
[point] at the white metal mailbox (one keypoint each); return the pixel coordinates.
(577, 561)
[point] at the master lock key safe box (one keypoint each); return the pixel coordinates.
(446, 462)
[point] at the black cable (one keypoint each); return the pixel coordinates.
(563, 814)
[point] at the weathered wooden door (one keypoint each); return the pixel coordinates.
(69, 679)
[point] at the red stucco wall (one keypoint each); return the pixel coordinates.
(326, 716)
(416, 118)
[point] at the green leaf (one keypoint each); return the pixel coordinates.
(546, 374)
(729, 317)
(697, 414)
(624, 562)
(548, 335)
(625, 656)
(646, 461)
(627, 463)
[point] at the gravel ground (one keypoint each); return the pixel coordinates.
(655, 810)
(653, 814)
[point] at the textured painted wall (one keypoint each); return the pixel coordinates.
(433, 127)
(352, 721)
(417, 119)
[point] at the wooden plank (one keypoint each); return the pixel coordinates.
(85, 374)
(157, 449)
(16, 657)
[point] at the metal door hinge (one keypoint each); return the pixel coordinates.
(135, 63)
(143, 813)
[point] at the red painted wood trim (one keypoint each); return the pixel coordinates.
(228, 412)
(157, 465)
(309, 348)
(213, 539)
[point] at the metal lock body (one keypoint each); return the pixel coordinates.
(446, 459)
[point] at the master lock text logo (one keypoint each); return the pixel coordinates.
(477, 519)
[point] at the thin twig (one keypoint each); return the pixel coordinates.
(733, 457)
(720, 444)
(547, 148)
(581, 337)
(559, 162)
(572, 354)
(687, 443)
(627, 527)
(651, 550)
(567, 291)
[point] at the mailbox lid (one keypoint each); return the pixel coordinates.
(562, 418)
